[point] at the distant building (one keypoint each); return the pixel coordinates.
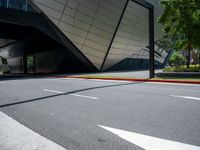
(77, 35)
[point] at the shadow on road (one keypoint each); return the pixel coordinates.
(67, 93)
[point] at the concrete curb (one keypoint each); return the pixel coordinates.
(134, 79)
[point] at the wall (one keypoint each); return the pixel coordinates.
(90, 25)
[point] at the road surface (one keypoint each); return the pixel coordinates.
(80, 114)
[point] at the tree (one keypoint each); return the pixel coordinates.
(181, 24)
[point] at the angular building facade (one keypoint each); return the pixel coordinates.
(78, 35)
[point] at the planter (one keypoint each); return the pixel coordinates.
(178, 74)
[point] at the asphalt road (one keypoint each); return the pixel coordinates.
(72, 112)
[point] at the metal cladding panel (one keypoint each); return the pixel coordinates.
(132, 38)
(157, 11)
(89, 24)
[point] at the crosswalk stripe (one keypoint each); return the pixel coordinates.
(15, 136)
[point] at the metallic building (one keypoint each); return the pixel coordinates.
(78, 35)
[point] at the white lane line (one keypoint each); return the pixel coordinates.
(79, 79)
(148, 142)
(15, 136)
(53, 91)
(186, 97)
(161, 88)
(83, 96)
(77, 95)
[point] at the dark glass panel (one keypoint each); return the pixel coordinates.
(17, 4)
(3, 3)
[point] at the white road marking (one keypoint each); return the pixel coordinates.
(77, 95)
(83, 96)
(148, 142)
(80, 79)
(53, 91)
(187, 97)
(161, 88)
(15, 136)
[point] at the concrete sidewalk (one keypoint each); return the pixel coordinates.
(140, 76)
(144, 74)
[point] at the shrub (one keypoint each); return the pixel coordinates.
(177, 60)
(183, 69)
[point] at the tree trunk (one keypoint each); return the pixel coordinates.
(189, 48)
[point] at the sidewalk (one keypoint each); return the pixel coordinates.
(140, 76)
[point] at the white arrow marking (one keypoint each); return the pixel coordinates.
(186, 97)
(148, 142)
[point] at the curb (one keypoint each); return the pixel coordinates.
(135, 79)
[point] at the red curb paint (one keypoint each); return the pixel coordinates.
(134, 79)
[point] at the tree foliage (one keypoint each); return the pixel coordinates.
(181, 24)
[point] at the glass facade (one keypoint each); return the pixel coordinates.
(17, 4)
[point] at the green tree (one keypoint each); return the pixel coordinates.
(181, 24)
